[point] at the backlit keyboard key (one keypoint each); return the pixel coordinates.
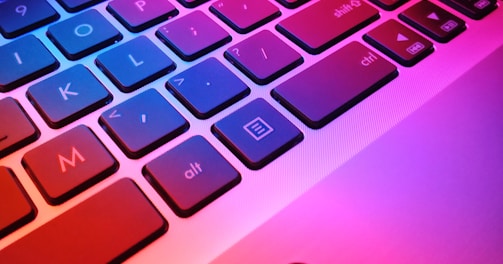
(19, 17)
(193, 35)
(68, 164)
(245, 15)
(77, 5)
(24, 60)
(137, 15)
(191, 175)
(433, 21)
(325, 23)
(263, 57)
(134, 64)
(292, 3)
(106, 228)
(476, 9)
(83, 34)
(399, 42)
(389, 4)
(16, 208)
(143, 123)
(335, 84)
(67, 96)
(207, 88)
(257, 133)
(16, 128)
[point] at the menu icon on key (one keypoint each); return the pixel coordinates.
(258, 128)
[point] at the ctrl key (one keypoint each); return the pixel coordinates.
(108, 227)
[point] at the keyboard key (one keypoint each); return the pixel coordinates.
(24, 60)
(292, 3)
(245, 15)
(257, 133)
(137, 15)
(106, 228)
(193, 35)
(83, 34)
(16, 208)
(318, 27)
(16, 128)
(263, 57)
(68, 96)
(433, 21)
(399, 42)
(191, 3)
(77, 5)
(207, 88)
(68, 164)
(191, 175)
(388, 4)
(143, 123)
(134, 64)
(319, 94)
(19, 17)
(476, 9)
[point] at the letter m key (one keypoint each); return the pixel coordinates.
(64, 162)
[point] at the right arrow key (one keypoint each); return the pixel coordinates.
(433, 21)
(399, 42)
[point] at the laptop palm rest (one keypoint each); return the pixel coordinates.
(428, 191)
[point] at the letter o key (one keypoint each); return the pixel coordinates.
(83, 30)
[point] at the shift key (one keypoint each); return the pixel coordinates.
(330, 87)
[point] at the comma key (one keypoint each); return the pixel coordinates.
(332, 92)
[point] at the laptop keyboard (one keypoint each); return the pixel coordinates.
(101, 57)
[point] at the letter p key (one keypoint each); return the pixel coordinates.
(140, 5)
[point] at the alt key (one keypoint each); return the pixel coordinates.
(191, 175)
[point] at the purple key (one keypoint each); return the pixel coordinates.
(320, 93)
(263, 57)
(137, 15)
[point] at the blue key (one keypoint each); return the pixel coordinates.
(83, 34)
(191, 175)
(24, 60)
(135, 64)
(77, 5)
(67, 96)
(19, 17)
(257, 133)
(207, 88)
(143, 123)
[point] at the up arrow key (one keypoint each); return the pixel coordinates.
(65, 92)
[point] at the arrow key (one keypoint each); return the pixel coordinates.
(399, 42)
(433, 21)
(67, 96)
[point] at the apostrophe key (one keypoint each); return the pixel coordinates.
(134, 64)
(191, 175)
(325, 23)
(322, 92)
(257, 133)
(399, 42)
(24, 60)
(137, 15)
(433, 21)
(68, 95)
(108, 227)
(68, 164)
(19, 17)
(193, 35)
(16, 128)
(16, 208)
(245, 15)
(207, 88)
(83, 34)
(143, 123)
(263, 57)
